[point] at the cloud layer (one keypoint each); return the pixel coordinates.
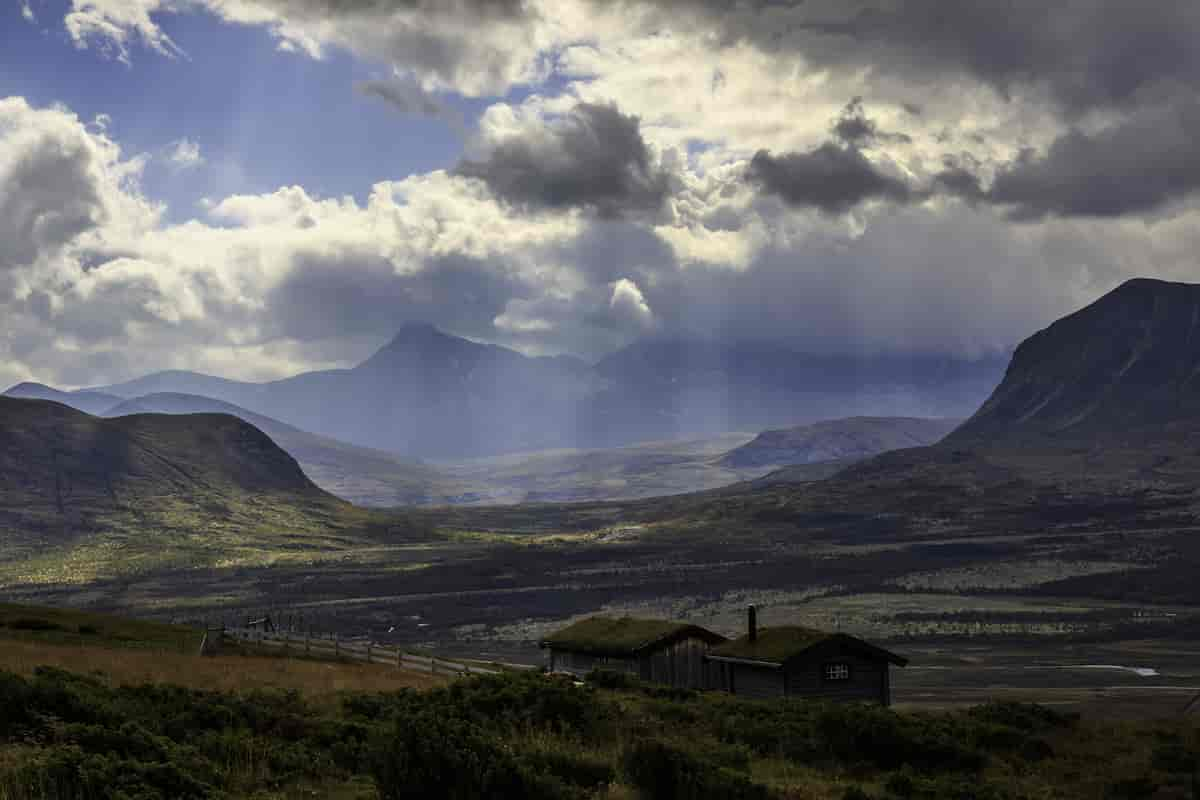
(896, 175)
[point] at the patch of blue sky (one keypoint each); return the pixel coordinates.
(263, 118)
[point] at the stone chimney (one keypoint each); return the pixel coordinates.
(751, 623)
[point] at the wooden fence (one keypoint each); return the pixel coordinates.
(357, 650)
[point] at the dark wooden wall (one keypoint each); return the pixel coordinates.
(870, 680)
(680, 664)
(582, 663)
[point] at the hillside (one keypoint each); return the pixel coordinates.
(358, 474)
(847, 439)
(82, 496)
(1129, 360)
(427, 394)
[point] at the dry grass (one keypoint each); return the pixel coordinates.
(226, 672)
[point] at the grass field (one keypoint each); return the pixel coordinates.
(128, 652)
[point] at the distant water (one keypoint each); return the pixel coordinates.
(1143, 672)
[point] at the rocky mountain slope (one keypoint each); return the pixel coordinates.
(1129, 360)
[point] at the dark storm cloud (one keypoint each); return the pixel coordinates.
(594, 158)
(1136, 166)
(831, 178)
(855, 128)
(959, 180)
(346, 296)
(1088, 53)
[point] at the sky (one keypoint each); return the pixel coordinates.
(253, 188)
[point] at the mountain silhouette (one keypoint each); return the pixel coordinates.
(428, 394)
(1130, 360)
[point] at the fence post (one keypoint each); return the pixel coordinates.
(399, 658)
(336, 649)
(368, 652)
(306, 643)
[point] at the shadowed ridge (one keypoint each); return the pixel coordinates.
(1129, 360)
(140, 455)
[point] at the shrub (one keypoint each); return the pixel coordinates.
(882, 738)
(1175, 757)
(33, 624)
(660, 771)
(447, 758)
(584, 770)
(1028, 717)
(612, 679)
(1139, 788)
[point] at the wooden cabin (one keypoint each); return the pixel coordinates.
(803, 662)
(670, 653)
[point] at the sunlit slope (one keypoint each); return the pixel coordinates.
(82, 497)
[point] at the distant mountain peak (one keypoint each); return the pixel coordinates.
(418, 327)
(26, 386)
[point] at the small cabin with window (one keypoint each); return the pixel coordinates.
(803, 662)
(670, 653)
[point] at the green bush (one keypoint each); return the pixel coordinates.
(1175, 757)
(33, 624)
(437, 758)
(583, 770)
(612, 679)
(1139, 788)
(1027, 717)
(660, 771)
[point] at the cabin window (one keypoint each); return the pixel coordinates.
(837, 671)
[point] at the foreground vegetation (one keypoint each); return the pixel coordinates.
(70, 735)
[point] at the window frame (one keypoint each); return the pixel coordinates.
(830, 669)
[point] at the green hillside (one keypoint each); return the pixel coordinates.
(83, 497)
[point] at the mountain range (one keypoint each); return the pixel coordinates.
(1088, 452)
(429, 395)
(370, 477)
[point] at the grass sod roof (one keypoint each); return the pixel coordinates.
(777, 645)
(623, 636)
